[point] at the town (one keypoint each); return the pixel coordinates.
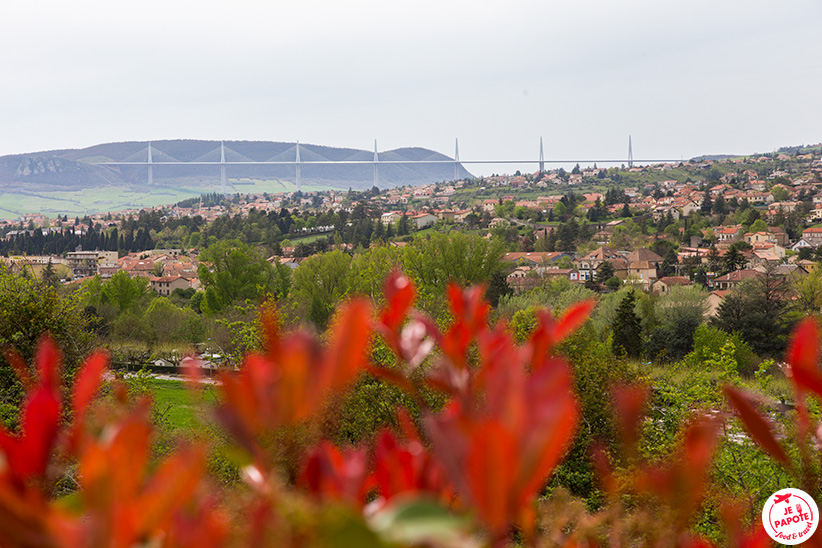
(713, 222)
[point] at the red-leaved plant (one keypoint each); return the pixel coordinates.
(510, 416)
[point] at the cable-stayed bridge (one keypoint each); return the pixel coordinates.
(150, 162)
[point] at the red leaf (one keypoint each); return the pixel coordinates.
(629, 402)
(271, 330)
(573, 318)
(347, 354)
(400, 294)
(491, 468)
(757, 426)
(41, 417)
(88, 382)
(803, 355)
(48, 361)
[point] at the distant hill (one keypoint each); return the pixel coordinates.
(76, 169)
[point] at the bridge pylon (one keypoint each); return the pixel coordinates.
(150, 163)
(456, 159)
(541, 157)
(222, 167)
(297, 169)
(376, 168)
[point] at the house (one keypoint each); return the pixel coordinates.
(533, 258)
(390, 217)
(759, 237)
(165, 285)
(733, 279)
(645, 271)
(643, 254)
(728, 234)
(137, 267)
(588, 264)
(499, 222)
(423, 220)
(813, 236)
(459, 216)
(84, 263)
(523, 278)
(664, 285)
(553, 272)
(801, 243)
(779, 235)
(714, 301)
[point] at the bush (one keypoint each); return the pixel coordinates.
(469, 473)
(708, 342)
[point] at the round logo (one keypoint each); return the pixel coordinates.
(790, 516)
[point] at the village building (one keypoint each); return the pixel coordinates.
(733, 279)
(664, 285)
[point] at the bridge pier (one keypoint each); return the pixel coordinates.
(150, 166)
(297, 166)
(376, 169)
(222, 167)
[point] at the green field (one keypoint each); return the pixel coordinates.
(116, 198)
(178, 404)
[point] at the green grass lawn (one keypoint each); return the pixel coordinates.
(181, 407)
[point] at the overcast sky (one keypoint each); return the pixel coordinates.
(682, 77)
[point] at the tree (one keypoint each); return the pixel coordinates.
(49, 275)
(808, 292)
(734, 260)
(605, 272)
(713, 259)
(124, 292)
(232, 271)
(627, 328)
(320, 282)
(779, 194)
(719, 207)
(759, 226)
(497, 288)
(435, 261)
(707, 203)
(760, 310)
(403, 225)
(669, 263)
(28, 309)
(626, 211)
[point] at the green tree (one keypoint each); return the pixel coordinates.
(320, 282)
(759, 226)
(760, 311)
(457, 257)
(779, 194)
(734, 260)
(678, 313)
(232, 271)
(627, 328)
(707, 203)
(626, 211)
(669, 263)
(605, 272)
(403, 225)
(124, 292)
(28, 309)
(49, 275)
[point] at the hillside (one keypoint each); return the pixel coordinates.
(62, 170)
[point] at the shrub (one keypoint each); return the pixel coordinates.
(708, 342)
(468, 473)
